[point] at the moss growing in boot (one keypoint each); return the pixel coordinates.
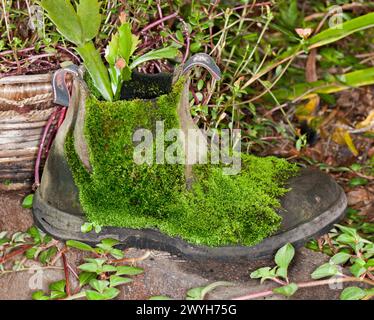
(218, 210)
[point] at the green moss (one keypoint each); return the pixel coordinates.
(219, 210)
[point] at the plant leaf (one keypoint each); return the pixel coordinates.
(63, 15)
(108, 294)
(352, 293)
(125, 41)
(164, 53)
(79, 245)
(46, 255)
(128, 271)
(90, 267)
(357, 181)
(340, 258)
(116, 281)
(39, 295)
(89, 16)
(86, 227)
(27, 201)
(343, 30)
(325, 270)
(263, 273)
(284, 256)
(111, 51)
(85, 277)
(199, 293)
(96, 68)
(357, 269)
(99, 285)
(35, 234)
(58, 286)
(287, 290)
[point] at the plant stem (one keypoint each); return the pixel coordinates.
(66, 272)
(15, 253)
(307, 284)
(159, 21)
(41, 147)
(30, 269)
(132, 260)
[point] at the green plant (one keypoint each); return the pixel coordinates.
(81, 26)
(31, 245)
(99, 277)
(353, 250)
(28, 201)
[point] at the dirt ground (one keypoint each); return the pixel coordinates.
(164, 274)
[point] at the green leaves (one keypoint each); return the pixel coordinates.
(357, 181)
(340, 258)
(164, 53)
(122, 45)
(88, 12)
(283, 258)
(97, 266)
(27, 201)
(116, 280)
(89, 226)
(35, 234)
(58, 289)
(352, 293)
(103, 291)
(63, 15)
(263, 274)
(125, 44)
(285, 255)
(96, 69)
(79, 245)
(289, 13)
(128, 270)
(358, 268)
(199, 293)
(107, 294)
(287, 290)
(39, 295)
(326, 270)
(343, 30)
(78, 26)
(85, 277)
(119, 51)
(106, 246)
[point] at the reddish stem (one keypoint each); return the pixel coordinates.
(14, 253)
(66, 271)
(41, 147)
(159, 21)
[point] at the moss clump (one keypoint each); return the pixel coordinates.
(219, 210)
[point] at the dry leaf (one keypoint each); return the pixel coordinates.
(367, 123)
(341, 136)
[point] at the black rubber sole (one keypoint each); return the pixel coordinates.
(65, 226)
